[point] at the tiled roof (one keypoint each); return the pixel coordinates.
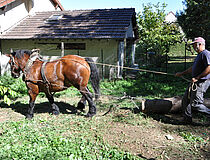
(99, 23)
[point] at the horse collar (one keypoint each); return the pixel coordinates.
(30, 61)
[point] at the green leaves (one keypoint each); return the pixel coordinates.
(5, 93)
(11, 88)
(194, 20)
(155, 34)
(33, 140)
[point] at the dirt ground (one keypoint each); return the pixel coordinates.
(151, 137)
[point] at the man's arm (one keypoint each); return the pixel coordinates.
(179, 74)
(203, 74)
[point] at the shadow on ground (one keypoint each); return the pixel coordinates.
(43, 107)
(175, 119)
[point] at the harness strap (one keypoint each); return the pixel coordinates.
(45, 81)
(30, 61)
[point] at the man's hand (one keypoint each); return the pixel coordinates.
(178, 74)
(194, 80)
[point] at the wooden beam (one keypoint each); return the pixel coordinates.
(62, 49)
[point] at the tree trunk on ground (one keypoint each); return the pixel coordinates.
(167, 105)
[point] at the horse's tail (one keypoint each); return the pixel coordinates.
(94, 77)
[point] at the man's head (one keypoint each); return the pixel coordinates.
(198, 44)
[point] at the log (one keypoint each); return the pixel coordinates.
(166, 105)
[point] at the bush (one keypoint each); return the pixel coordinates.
(16, 85)
(11, 88)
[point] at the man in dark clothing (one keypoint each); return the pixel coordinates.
(200, 82)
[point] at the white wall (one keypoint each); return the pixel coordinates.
(42, 5)
(12, 14)
(19, 9)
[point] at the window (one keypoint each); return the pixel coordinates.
(73, 46)
(55, 17)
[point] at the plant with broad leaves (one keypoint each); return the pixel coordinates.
(7, 93)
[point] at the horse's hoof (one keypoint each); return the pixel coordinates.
(29, 116)
(90, 114)
(80, 109)
(81, 106)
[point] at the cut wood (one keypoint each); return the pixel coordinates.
(166, 105)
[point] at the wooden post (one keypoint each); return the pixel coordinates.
(102, 61)
(62, 49)
(125, 56)
(120, 62)
(185, 56)
(133, 54)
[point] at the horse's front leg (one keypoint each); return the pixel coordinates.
(32, 96)
(55, 109)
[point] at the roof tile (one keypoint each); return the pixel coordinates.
(98, 23)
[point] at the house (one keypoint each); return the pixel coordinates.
(14, 11)
(170, 17)
(107, 34)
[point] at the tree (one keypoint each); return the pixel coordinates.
(195, 19)
(155, 34)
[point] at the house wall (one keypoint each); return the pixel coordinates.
(12, 14)
(19, 9)
(106, 51)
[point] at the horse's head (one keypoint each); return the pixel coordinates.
(18, 60)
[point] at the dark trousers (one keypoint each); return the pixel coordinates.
(193, 98)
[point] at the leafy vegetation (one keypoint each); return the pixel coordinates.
(6, 93)
(155, 34)
(192, 24)
(39, 139)
(11, 88)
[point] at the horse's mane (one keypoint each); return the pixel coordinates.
(20, 53)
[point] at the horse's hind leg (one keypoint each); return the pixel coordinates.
(88, 96)
(81, 103)
(55, 109)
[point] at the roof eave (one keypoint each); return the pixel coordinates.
(57, 4)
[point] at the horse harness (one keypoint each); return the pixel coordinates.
(35, 54)
(44, 78)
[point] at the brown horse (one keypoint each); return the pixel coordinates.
(55, 76)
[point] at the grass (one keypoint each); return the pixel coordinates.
(43, 139)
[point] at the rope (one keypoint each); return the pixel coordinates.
(125, 96)
(138, 69)
(193, 87)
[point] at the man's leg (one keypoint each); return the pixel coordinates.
(186, 105)
(197, 99)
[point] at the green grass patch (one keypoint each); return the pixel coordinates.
(41, 139)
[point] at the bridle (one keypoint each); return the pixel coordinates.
(15, 65)
(13, 62)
